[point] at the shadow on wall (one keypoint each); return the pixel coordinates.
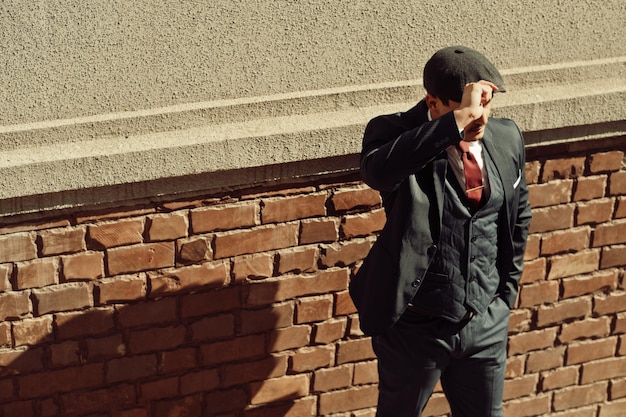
(211, 353)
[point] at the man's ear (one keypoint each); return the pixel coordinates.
(431, 102)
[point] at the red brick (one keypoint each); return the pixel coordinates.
(63, 380)
(620, 323)
(365, 373)
(563, 168)
(618, 389)
(149, 313)
(588, 284)
(5, 335)
(14, 305)
(170, 226)
(21, 361)
(610, 233)
(94, 321)
(5, 275)
(186, 406)
(590, 350)
(588, 188)
(156, 339)
(354, 351)
(202, 304)
(584, 329)
(161, 388)
(176, 361)
(550, 194)
(617, 183)
(65, 354)
(609, 304)
(519, 320)
(520, 387)
(538, 293)
(534, 270)
(319, 230)
(275, 317)
(36, 274)
(539, 405)
(241, 348)
(104, 348)
(130, 368)
(532, 171)
(297, 260)
(533, 340)
(572, 240)
(63, 297)
(33, 331)
(352, 198)
(328, 379)
(207, 275)
(58, 241)
(118, 233)
(224, 217)
(193, 250)
(620, 210)
(574, 397)
(313, 309)
(330, 331)
(286, 209)
(533, 247)
(614, 256)
(273, 366)
(437, 405)
(344, 304)
(86, 265)
(102, 400)
(253, 266)
(123, 288)
(606, 161)
(559, 378)
(212, 328)
(17, 247)
(19, 408)
(205, 380)
(255, 240)
(515, 366)
(128, 259)
(312, 358)
(563, 311)
(546, 359)
(276, 389)
(350, 399)
(612, 409)
(345, 253)
(289, 338)
(270, 291)
(295, 408)
(593, 212)
(135, 412)
(552, 218)
(574, 264)
(363, 224)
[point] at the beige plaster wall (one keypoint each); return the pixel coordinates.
(115, 100)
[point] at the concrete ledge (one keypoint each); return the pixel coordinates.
(225, 144)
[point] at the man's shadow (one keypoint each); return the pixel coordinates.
(196, 351)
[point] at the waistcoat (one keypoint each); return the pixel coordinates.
(464, 275)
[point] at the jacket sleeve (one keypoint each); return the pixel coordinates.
(519, 233)
(394, 147)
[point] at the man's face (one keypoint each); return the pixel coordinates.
(473, 131)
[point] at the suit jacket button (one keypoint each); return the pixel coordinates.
(432, 249)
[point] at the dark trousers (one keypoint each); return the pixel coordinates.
(469, 358)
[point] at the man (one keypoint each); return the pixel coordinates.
(436, 289)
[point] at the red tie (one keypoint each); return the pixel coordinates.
(473, 176)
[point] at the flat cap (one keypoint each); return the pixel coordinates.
(448, 71)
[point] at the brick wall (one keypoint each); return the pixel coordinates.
(237, 305)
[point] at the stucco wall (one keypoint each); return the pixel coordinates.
(119, 100)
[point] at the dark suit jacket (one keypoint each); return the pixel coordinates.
(404, 158)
